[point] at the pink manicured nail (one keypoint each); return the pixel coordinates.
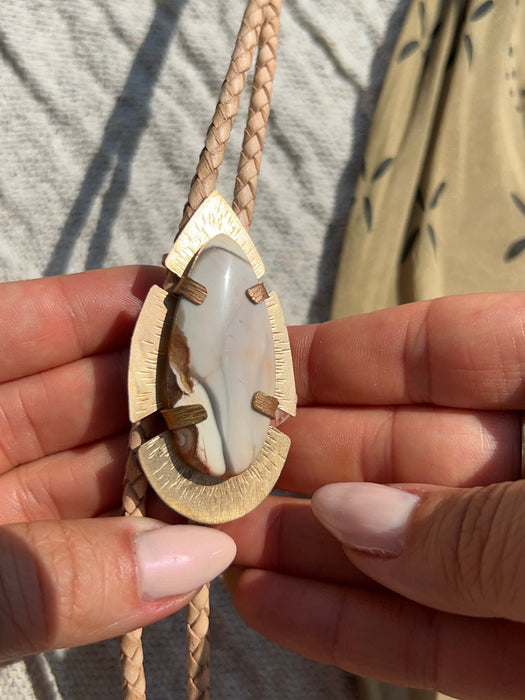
(369, 517)
(177, 559)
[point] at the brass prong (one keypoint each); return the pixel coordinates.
(265, 404)
(182, 416)
(191, 290)
(257, 293)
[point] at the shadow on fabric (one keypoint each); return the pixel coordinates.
(122, 134)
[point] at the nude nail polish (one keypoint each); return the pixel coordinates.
(177, 559)
(368, 517)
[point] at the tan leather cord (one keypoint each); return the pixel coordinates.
(258, 115)
(259, 28)
(197, 640)
(134, 505)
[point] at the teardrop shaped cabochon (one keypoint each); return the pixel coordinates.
(205, 359)
(220, 355)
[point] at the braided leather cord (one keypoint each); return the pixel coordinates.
(259, 28)
(197, 640)
(258, 115)
(133, 505)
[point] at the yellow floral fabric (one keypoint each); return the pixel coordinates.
(440, 205)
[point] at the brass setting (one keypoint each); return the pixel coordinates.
(148, 355)
(267, 405)
(198, 496)
(257, 293)
(207, 499)
(212, 217)
(284, 377)
(191, 290)
(182, 416)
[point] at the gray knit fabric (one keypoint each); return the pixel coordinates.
(103, 110)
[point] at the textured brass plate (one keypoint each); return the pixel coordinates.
(204, 498)
(198, 496)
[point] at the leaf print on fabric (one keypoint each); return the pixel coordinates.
(408, 50)
(367, 206)
(481, 11)
(518, 202)
(433, 201)
(475, 16)
(422, 17)
(432, 236)
(514, 250)
(518, 246)
(377, 174)
(437, 194)
(467, 43)
(513, 79)
(426, 36)
(382, 168)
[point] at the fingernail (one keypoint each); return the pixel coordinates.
(368, 517)
(177, 559)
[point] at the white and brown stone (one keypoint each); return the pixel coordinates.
(221, 353)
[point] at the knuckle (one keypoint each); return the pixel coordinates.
(31, 497)
(53, 587)
(75, 567)
(484, 565)
(24, 625)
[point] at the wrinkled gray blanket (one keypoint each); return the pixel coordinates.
(103, 110)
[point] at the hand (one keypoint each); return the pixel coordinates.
(69, 577)
(428, 589)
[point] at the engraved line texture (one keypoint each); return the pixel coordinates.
(257, 293)
(207, 499)
(182, 416)
(191, 290)
(265, 404)
(148, 349)
(212, 217)
(284, 376)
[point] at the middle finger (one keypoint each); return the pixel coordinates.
(79, 483)
(449, 447)
(61, 408)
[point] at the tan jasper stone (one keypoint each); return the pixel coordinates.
(222, 353)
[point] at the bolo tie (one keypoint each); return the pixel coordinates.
(210, 370)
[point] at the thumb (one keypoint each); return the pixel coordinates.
(457, 550)
(67, 583)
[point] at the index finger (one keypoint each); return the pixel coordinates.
(49, 322)
(461, 351)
